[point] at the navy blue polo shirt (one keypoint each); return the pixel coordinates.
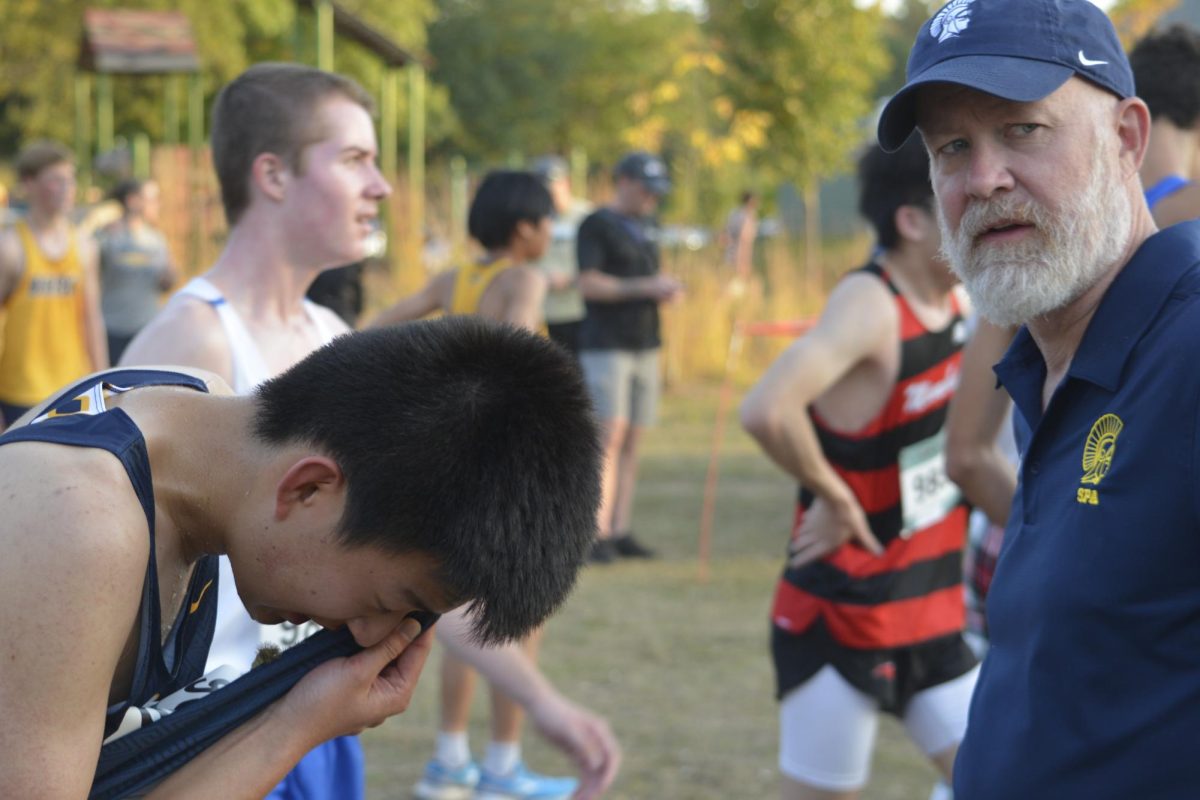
(1091, 688)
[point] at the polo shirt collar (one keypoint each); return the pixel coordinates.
(1132, 301)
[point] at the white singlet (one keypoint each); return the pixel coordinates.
(236, 638)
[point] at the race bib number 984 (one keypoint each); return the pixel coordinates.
(926, 494)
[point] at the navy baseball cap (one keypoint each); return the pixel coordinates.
(647, 168)
(1021, 50)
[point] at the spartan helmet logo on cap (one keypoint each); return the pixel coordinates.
(951, 20)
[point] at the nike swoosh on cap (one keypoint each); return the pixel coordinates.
(1087, 62)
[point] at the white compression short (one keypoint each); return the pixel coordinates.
(827, 727)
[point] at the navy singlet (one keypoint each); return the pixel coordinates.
(78, 417)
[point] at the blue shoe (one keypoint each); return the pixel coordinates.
(522, 784)
(442, 783)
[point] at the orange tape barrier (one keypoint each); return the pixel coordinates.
(793, 327)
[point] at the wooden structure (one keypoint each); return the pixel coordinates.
(128, 42)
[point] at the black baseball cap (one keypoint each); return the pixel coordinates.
(1020, 50)
(647, 168)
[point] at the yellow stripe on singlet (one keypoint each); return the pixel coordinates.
(472, 280)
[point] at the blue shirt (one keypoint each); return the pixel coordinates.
(1091, 688)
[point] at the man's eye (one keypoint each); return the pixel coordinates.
(953, 146)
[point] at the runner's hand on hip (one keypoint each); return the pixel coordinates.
(826, 526)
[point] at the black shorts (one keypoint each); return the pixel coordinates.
(891, 676)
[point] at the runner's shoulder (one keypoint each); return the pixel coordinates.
(186, 332)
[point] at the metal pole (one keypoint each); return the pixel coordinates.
(388, 144)
(83, 133)
(416, 159)
(195, 114)
(324, 35)
(197, 256)
(579, 171)
(104, 113)
(141, 155)
(171, 102)
(458, 206)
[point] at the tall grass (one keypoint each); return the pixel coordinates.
(697, 330)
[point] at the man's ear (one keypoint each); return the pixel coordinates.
(1133, 132)
(270, 174)
(306, 482)
(914, 223)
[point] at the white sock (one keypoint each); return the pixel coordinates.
(453, 750)
(502, 757)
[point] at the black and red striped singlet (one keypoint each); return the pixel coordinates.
(894, 464)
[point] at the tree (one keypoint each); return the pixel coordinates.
(811, 67)
(39, 46)
(529, 76)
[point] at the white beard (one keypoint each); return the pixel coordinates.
(1011, 284)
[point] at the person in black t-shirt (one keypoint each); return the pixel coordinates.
(623, 287)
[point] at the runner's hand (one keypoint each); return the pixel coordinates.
(826, 526)
(345, 695)
(583, 736)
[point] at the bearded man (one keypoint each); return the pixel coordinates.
(1090, 687)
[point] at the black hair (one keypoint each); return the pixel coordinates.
(127, 187)
(887, 181)
(1166, 71)
(504, 199)
(469, 441)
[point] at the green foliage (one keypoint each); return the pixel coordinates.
(39, 48)
(811, 66)
(532, 76)
(900, 31)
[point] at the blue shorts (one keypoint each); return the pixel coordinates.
(330, 771)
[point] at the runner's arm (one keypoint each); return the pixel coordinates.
(859, 321)
(93, 319)
(977, 412)
(186, 332)
(12, 263)
(856, 322)
(433, 296)
(525, 292)
(69, 593)
(585, 737)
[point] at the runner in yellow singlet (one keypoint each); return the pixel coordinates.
(511, 218)
(53, 331)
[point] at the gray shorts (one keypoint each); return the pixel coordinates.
(624, 384)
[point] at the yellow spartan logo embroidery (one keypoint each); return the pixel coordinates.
(1098, 455)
